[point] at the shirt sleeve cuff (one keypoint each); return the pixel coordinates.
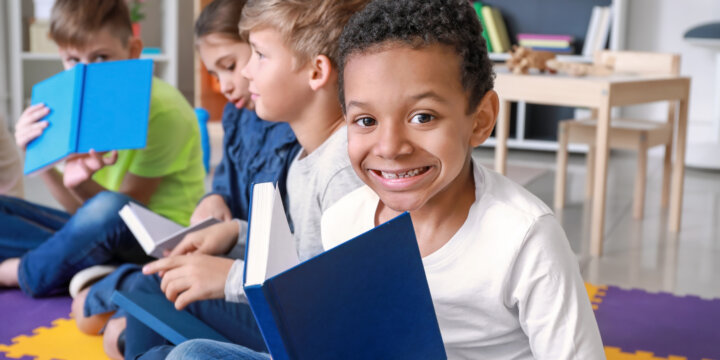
(234, 291)
(238, 251)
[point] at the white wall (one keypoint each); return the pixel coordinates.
(4, 84)
(659, 25)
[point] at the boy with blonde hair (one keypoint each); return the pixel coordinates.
(43, 248)
(292, 77)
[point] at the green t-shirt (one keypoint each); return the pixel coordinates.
(173, 152)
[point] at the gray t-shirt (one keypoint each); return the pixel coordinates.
(315, 182)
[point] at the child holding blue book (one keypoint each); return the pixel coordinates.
(416, 88)
(41, 248)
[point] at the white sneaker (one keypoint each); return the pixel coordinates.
(87, 277)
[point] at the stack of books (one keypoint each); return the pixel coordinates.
(541, 42)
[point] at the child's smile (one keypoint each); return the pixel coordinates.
(409, 132)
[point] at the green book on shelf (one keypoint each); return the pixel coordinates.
(478, 9)
(502, 29)
(492, 30)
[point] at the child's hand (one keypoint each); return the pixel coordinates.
(29, 126)
(191, 278)
(81, 167)
(217, 239)
(211, 206)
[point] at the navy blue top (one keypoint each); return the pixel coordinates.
(254, 151)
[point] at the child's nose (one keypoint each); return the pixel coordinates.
(392, 142)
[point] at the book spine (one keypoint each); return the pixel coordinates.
(487, 14)
(478, 10)
(544, 43)
(265, 311)
(502, 30)
(544, 37)
(76, 117)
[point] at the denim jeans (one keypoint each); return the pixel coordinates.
(209, 349)
(234, 321)
(54, 246)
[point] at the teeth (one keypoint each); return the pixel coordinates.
(407, 174)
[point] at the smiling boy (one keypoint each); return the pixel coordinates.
(416, 86)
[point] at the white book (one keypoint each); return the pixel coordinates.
(588, 46)
(603, 33)
(271, 245)
(156, 233)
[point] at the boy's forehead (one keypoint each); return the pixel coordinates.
(97, 40)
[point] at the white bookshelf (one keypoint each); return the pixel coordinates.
(26, 68)
(519, 141)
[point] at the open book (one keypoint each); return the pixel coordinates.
(367, 298)
(154, 232)
(102, 106)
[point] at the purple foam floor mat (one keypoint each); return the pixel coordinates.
(20, 314)
(661, 323)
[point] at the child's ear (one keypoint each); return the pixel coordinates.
(321, 69)
(135, 46)
(484, 118)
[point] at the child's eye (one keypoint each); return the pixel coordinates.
(365, 122)
(231, 67)
(259, 54)
(422, 118)
(72, 60)
(100, 58)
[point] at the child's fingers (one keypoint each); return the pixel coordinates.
(27, 135)
(187, 297)
(176, 287)
(112, 159)
(155, 266)
(32, 114)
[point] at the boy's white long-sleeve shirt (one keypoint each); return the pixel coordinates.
(506, 285)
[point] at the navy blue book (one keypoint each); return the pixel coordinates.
(159, 314)
(101, 106)
(367, 298)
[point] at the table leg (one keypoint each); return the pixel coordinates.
(678, 172)
(602, 151)
(502, 132)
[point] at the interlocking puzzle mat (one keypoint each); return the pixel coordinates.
(634, 324)
(41, 329)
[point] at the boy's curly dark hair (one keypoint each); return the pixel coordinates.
(420, 23)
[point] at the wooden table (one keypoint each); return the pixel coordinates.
(600, 93)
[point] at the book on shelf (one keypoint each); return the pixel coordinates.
(478, 10)
(156, 233)
(101, 106)
(496, 29)
(159, 314)
(598, 30)
(367, 298)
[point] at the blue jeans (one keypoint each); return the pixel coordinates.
(234, 321)
(54, 245)
(208, 349)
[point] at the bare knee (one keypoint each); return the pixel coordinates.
(110, 338)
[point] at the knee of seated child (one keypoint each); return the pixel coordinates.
(103, 206)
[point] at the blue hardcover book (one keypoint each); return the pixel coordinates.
(367, 298)
(102, 106)
(159, 314)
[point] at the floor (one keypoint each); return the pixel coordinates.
(637, 254)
